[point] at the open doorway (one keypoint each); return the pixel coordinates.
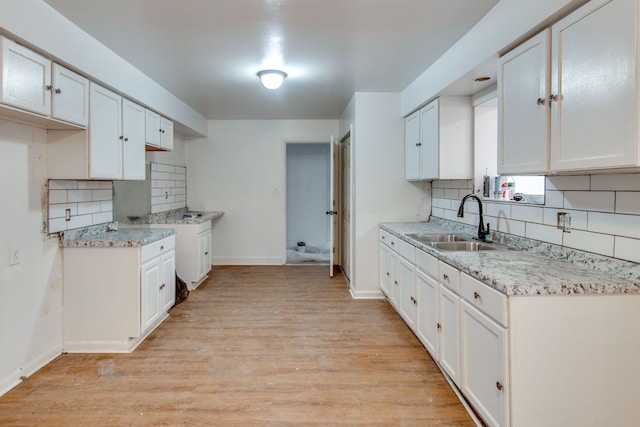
(308, 180)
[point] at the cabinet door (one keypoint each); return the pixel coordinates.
(152, 128)
(105, 130)
(168, 285)
(427, 315)
(70, 100)
(204, 254)
(523, 107)
(483, 354)
(407, 278)
(385, 270)
(412, 147)
(26, 78)
(449, 343)
(429, 136)
(166, 134)
(133, 154)
(150, 298)
(594, 72)
(395, 283)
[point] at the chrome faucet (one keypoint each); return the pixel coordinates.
(482, 232)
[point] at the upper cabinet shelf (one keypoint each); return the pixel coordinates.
(568, 98)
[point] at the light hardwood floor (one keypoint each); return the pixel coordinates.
(253, 346)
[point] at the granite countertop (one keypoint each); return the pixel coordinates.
(176, 217)
(520, 271)
(123, 238)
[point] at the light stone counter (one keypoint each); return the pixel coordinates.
(176, 217)
(529, 270)
(123, 238)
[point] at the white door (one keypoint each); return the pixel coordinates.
(332, 205)
(346, 206)
(412, 147)
(430, 141)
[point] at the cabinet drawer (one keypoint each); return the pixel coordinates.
(389, 239)
(449, 276)
(427, 263)
(204, 226)
(156, 248)
(407, 251)
(487, 300)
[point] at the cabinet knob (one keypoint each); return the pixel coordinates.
(540, 101)
(553, 98)
(388, 274)
(126, 139)
(49, 87)
(445, 276)
(162, 286)
(499, 386)
(393, 243)
(121, 137)
(162, 247)
(476, 295)
(58, 91)
(395, 282)
(419, 144)
(206, 253)
(438, 325)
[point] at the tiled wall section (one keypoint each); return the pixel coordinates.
(168, 187)
(604, 209)
(89, 203)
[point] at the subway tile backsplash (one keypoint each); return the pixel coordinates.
(604, 209)
(168, 187)
(76, 204)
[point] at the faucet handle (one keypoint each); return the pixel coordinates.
(487, 235)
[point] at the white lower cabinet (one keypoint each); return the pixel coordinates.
(427, 294)
(448, 328)
(193, 251)
(114, 297)
(483, 347)
(407, 284)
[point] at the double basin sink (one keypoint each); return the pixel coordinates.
(455, 242)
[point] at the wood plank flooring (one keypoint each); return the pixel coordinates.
(252, 346)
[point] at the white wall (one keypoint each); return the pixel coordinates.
(308, 175)
(381, 192)
(239, 169)
(30, 292)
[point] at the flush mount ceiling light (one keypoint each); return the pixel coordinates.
(272, 79)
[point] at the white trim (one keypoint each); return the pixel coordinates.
(29, 369)
(246, 261)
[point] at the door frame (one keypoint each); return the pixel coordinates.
(283, 207)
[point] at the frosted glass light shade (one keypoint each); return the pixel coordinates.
(272, 79)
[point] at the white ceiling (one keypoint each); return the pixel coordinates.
(207, 52)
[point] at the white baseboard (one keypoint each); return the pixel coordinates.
(29, 369)
(377, 294)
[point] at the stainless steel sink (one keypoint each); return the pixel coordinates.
(433, 238)
(466, 246)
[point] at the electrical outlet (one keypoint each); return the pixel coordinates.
(14, 256)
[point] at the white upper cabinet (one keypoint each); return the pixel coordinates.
(70, 96)
(26, 78)
(587, 118)
(105, 130)
(158, 131)
(33, 83)
(111, 148)
(438, 142)
(133, 154)
(523, 92)
(594, 113)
